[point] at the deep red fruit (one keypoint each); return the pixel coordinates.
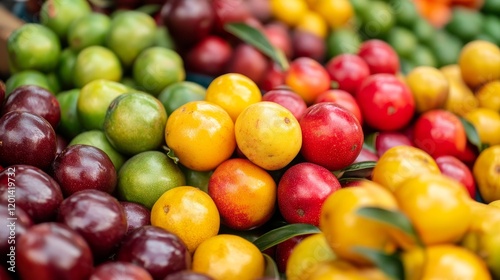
(331, 136)
(455, 169)
(51, 251)
(380, 57)
(248, 61)
(26, 139)
(12, 229)
(273, 77)
(62, 143)
(284, 250)
(308, 44)
(439, 133)
(388, 139)
(386, 103)
(187, 275)
(136, 214)
(343, 99)
(35, 100)
(278, 35)
(260, 9)
(209, 56)
(348, 71)
(227, 11)
(366, 155)
(120, 270)
(288, 99)
(302, 190)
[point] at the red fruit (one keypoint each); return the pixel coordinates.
(120, 270)
(209, 56)
(273, 77)
(341, 98)
(61, 143)
(439, 133)
(279, 36)
(260, 9)
(288, 99)
(366, 155)
(248, 61)
(388, 139)
(284, 250)
(308, 78)
(302, 190)
(455, 169)
(386, 103)
(469, 155)
(379, 56)
(331, 136)
(307, 44)
(227, 11)
(348, 71)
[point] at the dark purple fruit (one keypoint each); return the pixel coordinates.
(35, 100)
(82, 167)
(136, 214)
(98, 217)
(248, 61)
(160, 252)
(61, 142)
(187, 275)
(209, 56)
(307, 44)
(16, 223)
(51, 251)
(35, 191)
(26, 139)
(4, 274)
(120, 271)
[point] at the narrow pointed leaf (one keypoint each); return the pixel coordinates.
(472, 134)
(356, 170)
(391, 265)
(278, 235)
(271, 270)
(369, 142)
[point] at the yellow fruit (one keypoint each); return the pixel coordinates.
(336, 12)
(229, 257)
(306, 254)
(479, 63)
(452, 72)
(461, 99)
(429, 86)
(489, 96)
(337, 270)
(401, 163)
(486, 171)
(268, 135)
(312, 22)
(495, 203)
(187, 212)
(288, 11)
(487, 124)
(344, 229)
(437, 207)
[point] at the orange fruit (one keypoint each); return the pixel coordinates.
(308, 78)
(314, 23)
(479, 63)
(487, 124)
(429, 86)
(335, 270)
(488, 96)
(187, 212)
(201, 134)
(288, 11)
(486, 171)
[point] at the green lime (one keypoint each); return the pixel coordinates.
(94, 63)
(98, 139)
(27, 77)
(94, 100)
(491, 7)
(65, 68)
(54, 83)
(465, 23)
(146, 176)
(69, 125)
(342, 41)
(135, 123)
(405, 11)
(445, 47)
(58, 15)
(180, 93)
(89, 30)
(422, 56)
(130, 33)
(197, 179)
(33, 47)
(378, 19)
(359, 5)
(156, 68)
(423, 30)
(402, 40)
(491, 27)
(163, 38)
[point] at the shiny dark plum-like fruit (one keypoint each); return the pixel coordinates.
(157, 250)
(98, 217)
(35, 100)
(17, 222)
(80, 167)
(309, 45)
(35, 191)
(62, 143)
(120, 271)
(136, 214)
(209, 56)
(51, 251)
(248, 61)
(26, 139)
(187, 275)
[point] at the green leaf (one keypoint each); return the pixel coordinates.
(346, 180)
(271, 270)
(391, 265)
(369, 142)
(254, 37)
(170, 154)
(278, 235)
(472, 135)
(356, 170)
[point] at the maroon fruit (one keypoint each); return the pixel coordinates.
(388, 139)
(348, 71)
(98, 217)
(260, 9)
(279, 36)
(343, 99)
(248, 61)
(284, 250)
(308, 44)
(302, 190)
(51, 251)
(119, 271)
(273, 77)
(366, 155)
(26, 139)
(187, 275)
(61, 143)
(380, 57)
(35, 100)
(288, 99)
(16, 223)
(209, 56)
(35, 191)
(453, 168)
(227, 11)
(81, 167)
(157, 250)
(136, 214)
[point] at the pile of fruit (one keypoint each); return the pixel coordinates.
(228, 139)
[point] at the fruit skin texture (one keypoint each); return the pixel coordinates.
(343, 99)
(379, 56)
(344, 229)
(308, 78)
(479, 63)
(445, 215)
(457, 170)
(187, 212)
(228, 257)
(244, 194)
(288, 99)
(331, 136)
(387, 103)
(59, 15)
(487, 173)
(388, 139)
(119, 270)
(209, 56)
(52, 250)
(302, 190)
(349, 71)
(136, 214)
(95, 63)
(487, 124)
(429, 86)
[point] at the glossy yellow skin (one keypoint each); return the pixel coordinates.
(187, 212)
(336, 12)
(487, 124)
(310, 251)
(268, 135)
(479, 63)
(495, 203)
(288, 11)
(437, 207)
(429, 87)
(461, 99)
(314, 23)
(201, 134)
(233, 92)
(344, 229)
(486, 171)
(229, 257)
(489, 95)
(401, 163)
(337, 270)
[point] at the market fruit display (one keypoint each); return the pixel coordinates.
(256, 139)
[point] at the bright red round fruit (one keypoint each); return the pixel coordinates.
(349, 71)
(455, 169)
(386, 103)
(379, 56)
(341, 98)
